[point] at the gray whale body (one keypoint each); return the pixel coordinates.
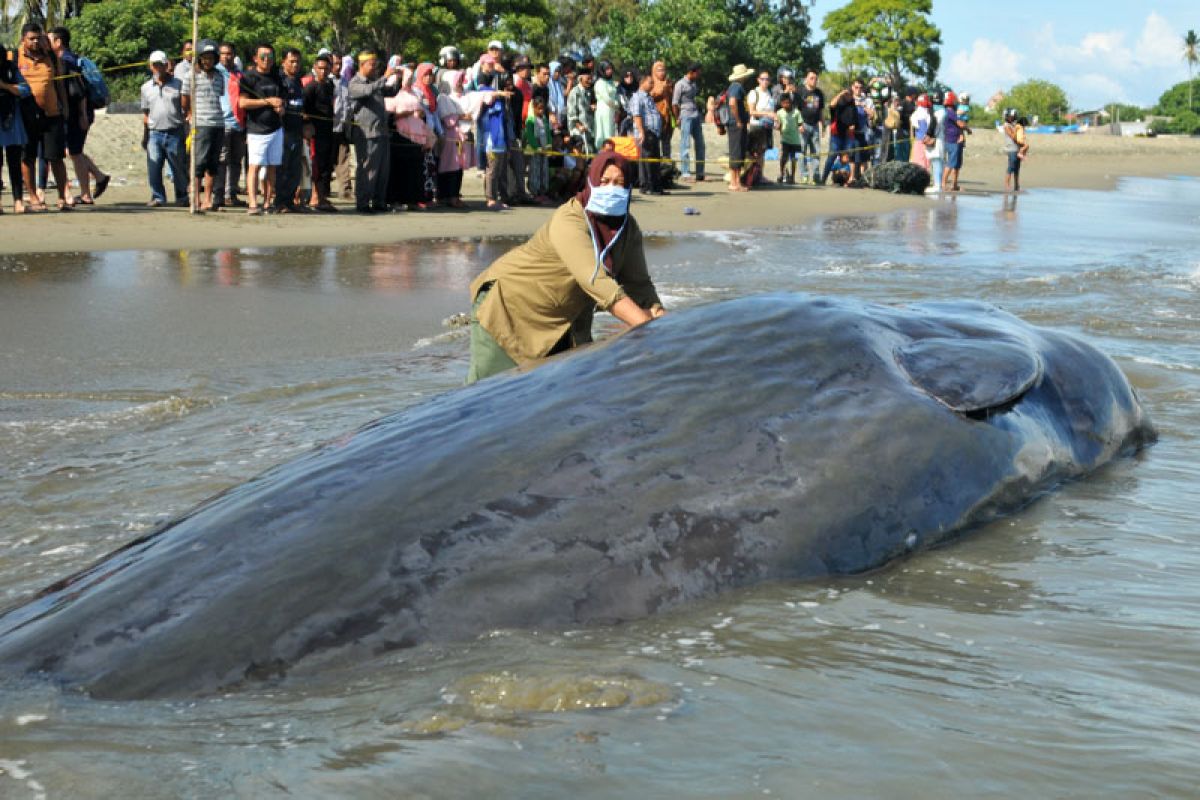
(775, 436)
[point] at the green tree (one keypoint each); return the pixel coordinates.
(675, 31)
(120, 32)
(1041, 99)
(1191, 54)
(245, 23)
(419, 28)
(1176, 104)
(579, 24)
(892, 37)
(717, 34)
(774, 34)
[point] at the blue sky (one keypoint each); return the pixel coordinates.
(1098, 51)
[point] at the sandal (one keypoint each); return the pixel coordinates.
(254, 211)
(66, 205)
(101, 186)
(84, 200)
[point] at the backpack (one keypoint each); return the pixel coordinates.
(93, 79)
(723, 114)
(233, 90)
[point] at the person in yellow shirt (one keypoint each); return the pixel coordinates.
(537, 300)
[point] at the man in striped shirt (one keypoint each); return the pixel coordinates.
(204, 108)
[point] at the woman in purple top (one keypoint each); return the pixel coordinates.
(952, 134)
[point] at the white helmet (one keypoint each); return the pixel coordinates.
(449, 53)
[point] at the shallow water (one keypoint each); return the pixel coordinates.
(1054, 652)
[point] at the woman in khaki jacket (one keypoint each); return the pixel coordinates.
(537, 299)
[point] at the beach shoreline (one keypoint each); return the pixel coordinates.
(120, 220)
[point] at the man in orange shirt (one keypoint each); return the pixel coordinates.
(46, 126)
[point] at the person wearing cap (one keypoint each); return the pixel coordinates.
(691, 123)
(204, 108)
(918, 124)
(370, 130)
(952, 136)
(738, 131)
(581, 115)
(163, 116)
(538, 299)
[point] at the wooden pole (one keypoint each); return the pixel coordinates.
(194, 205)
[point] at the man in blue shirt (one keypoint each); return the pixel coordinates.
(739, 120)
(228, 183)
(647, 130)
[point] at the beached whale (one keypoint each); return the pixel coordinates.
(776, 436)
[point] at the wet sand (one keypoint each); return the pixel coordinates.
(120, 220)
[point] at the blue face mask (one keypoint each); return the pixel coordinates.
(608, 201)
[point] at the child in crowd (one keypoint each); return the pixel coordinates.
(790, 145)
(1016, 145)
(537, 141)
(842, 172)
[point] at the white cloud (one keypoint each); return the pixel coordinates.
(985, 68)
(1099, 67)
(1160, 45)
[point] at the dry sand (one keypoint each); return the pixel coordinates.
(121, 221)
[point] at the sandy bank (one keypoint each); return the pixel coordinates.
(120, 220)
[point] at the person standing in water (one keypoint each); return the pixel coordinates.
(538, 299)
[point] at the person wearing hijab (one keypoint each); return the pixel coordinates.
(661, 92)
(410, 138)
(537, 299)
(606, 103)
(453, 115)
(426, 92)
(626, 89)
(558, 98)
(12, 128)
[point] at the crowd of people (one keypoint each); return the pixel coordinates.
(272, 135)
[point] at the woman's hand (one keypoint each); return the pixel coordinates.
(630, 312)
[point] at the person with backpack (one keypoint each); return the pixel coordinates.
(734, 117)
(82, 95)
(760, 103)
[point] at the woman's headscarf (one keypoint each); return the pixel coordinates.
(558, 100)
(426, 68)
(606, 228)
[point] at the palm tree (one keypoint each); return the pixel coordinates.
(1191, 54)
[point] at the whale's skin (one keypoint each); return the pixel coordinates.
(768, 437)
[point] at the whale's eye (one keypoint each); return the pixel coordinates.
(974, 377)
